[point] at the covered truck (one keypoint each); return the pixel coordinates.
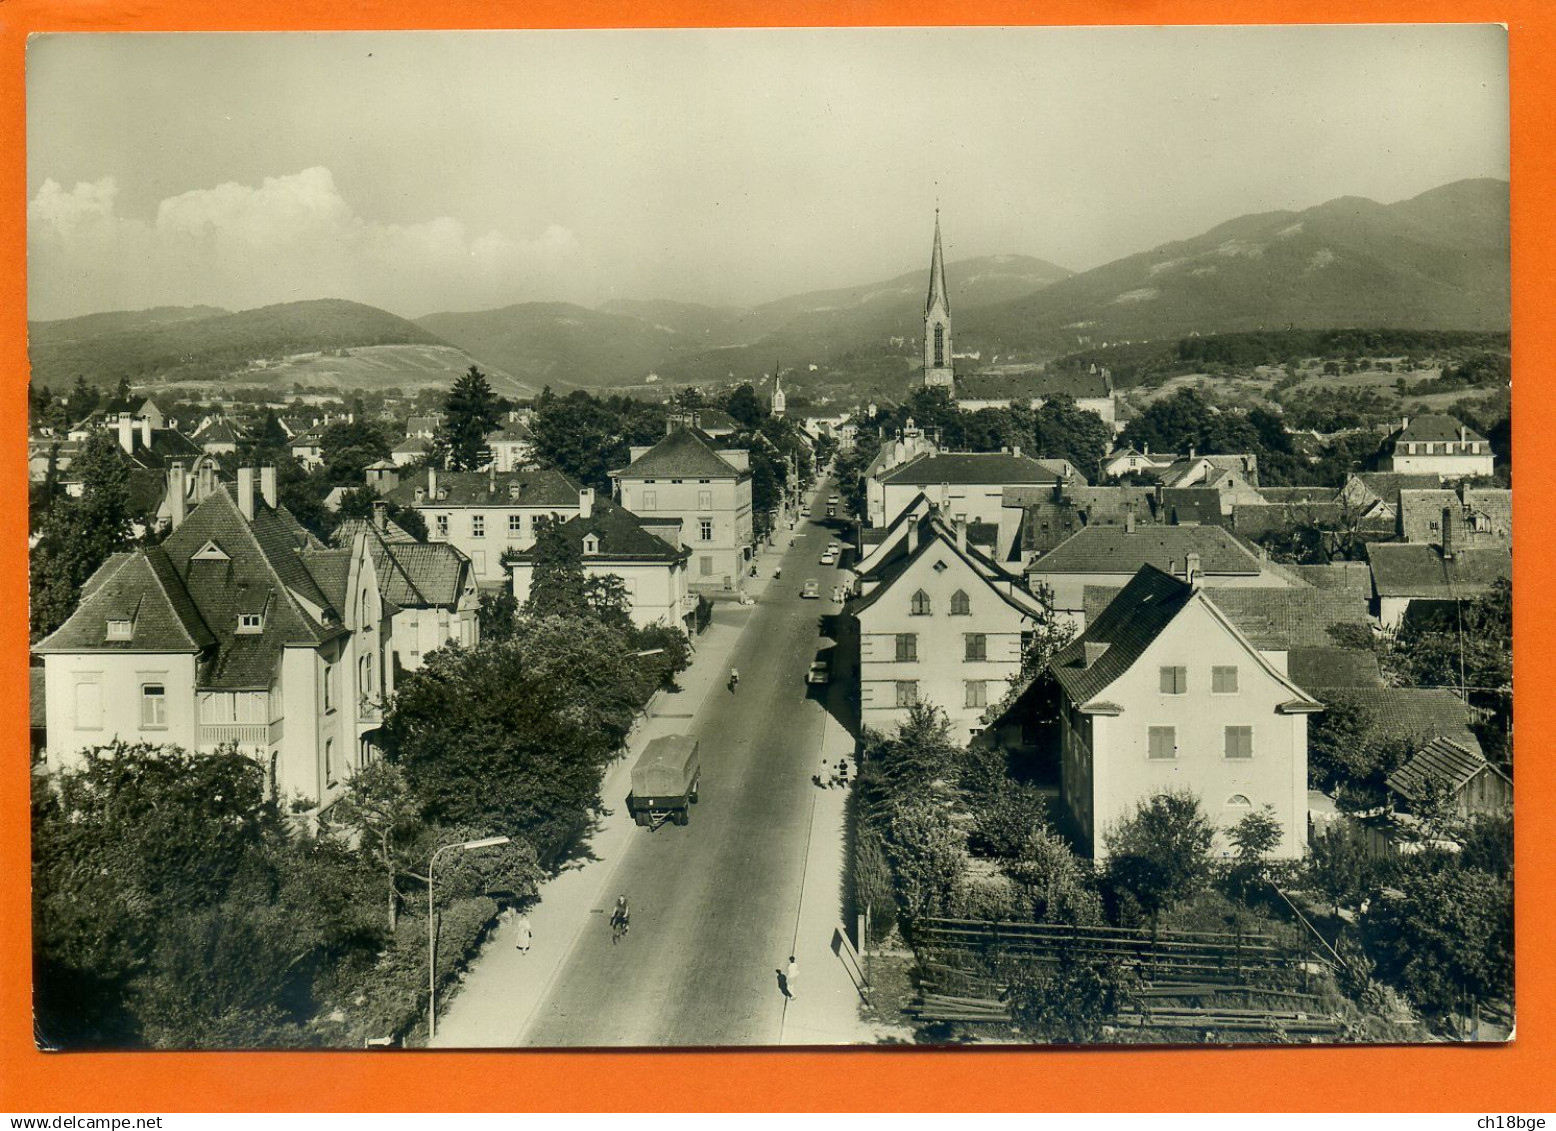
(664, 781)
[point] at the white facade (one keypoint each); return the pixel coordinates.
(657, 592)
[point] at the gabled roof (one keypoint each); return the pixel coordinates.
(217, 431)
(1436, 427)
(685, 453)
(1130, 624)
(1411, 714)
(936, 537)
(1386, 485)
(1336, 575)
(1319, 668)
(412, 444)
(970, 468)
(511, 431)
(1026, 387)
(1113, 549)
(144, 589)
(621, 536)
(1414, 569)
(1496, 503)
(1273, 619)
(1444, 760)
(537, 487)
(437, 571)
(1183, 470)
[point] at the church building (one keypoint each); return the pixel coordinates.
(937, 322)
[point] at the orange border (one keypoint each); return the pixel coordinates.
(1513, 1078)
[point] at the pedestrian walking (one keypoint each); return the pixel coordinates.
(791, 976)
(524, 934)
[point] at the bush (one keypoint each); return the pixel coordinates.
(1006, 819)
(928, 858)
(991, 897)
(874, 886)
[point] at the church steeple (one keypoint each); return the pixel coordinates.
(937, 321)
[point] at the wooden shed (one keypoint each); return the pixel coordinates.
(1478, 787)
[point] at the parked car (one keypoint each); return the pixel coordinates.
(828, 558)
(833, 547)
(812, 589)
(819, 673)
(833, 500)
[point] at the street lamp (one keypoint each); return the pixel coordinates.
(432, 938)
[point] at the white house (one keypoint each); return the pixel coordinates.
(966, 485)
(1438, 444)
(646, 554)
(1163, 693)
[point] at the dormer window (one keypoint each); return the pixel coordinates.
(210, 552)
(251, 622)
(120, 629)
(591, 544)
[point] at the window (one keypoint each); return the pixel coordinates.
(939, 346)
(478, 526)
(977, 646)
(365, 676)
(119, 630)
(329, 761)
(1164, 742)
(907, 692)
(1239, 742)
(591, 544)
(650, 499)
(977, 693)
(705, 500)
(705, 529)
(907, 647)
(705, 565)
(516, 523)
(1175, 681)
(961, 606)
(89, 705)
(440, 525)
(1239, 801)
(250, 622)
(153, 706)
(920, 607)
(331, 692)
(1223, 681)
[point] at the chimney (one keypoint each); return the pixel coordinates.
(1192, 572)
(945, 495)
(1145, 449)
(1464, 434)
(1016, 451)
(145, 432)
(913, 536)
(206, 481)
(491, 478)
(1404, 422)
(126, 433)
(432, 482)
(585, 502)
(246, 492)
(1448, 550)
(1129, 518)
(1191, 451)
(267, 485)
(960, 528)
(1094, 651)
(381, 514)
(177, 501)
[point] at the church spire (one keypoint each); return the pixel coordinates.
(937, 288)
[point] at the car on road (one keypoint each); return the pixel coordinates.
(665, 781)
(833, 547)
(828, 558)
(819, 673)
(812, 589)
(833, 500)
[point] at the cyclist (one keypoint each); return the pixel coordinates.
(620, 918)
(734, 678)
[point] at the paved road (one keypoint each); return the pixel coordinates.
(715, 904)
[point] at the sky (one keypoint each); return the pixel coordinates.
(425, 172)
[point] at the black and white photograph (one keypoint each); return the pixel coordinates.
(770, 537)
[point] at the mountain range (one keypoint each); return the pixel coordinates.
(1437, 261)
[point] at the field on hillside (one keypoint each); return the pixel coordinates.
(407, 367)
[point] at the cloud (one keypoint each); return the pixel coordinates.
(290, 237)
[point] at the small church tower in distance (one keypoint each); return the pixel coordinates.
(780, 402)
(937, 322)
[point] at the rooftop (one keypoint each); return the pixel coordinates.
(621, 536)
(1436, 427)
(1114, 549)
(966, 468)
(1413, 569)
(535, 487)
(1273, 619)
(1443, 759)
(685, 453)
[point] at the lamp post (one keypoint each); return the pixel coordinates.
(432, 937)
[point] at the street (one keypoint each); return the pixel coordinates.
(715, 904)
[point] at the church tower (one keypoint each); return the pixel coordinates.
(937, 322)
(780, 402)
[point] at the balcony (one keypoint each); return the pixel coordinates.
(244, 734)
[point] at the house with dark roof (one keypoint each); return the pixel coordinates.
(216, 436)
(512, 444)
(1433, 578)
(1483, 516)
(1092, 392)
(1471, 786)
(938, 622)
(969, 485)
(1163, 692)
(1437, 444)
(241, 629)
(646, 555)
(1234, 478)
(430, 586)
(1375, 494)
(485, 513)
(1112, 555)
(907, 445)
(1131, 461)
(688, 476)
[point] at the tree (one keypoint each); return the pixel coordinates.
(79, 534)
(470, 414)
(361, 504)
(1340, 866)
(921, 753)
(1350, 755)
(1256, 835)
(1061, 887)
(744, 406)
(580, 437)
(379, 807)
(348, 446)
(928, 858)
(498, 615)
(1161, 854)
(1061, 430)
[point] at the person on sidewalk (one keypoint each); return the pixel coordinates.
(524, 934)
(791, 976)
